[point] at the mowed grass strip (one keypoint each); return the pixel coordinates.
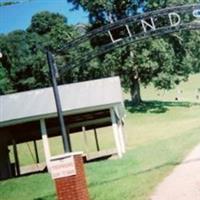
(132, 178)
(137, 174)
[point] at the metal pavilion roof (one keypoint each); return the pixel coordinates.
(75, 98)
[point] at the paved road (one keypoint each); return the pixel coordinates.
(184, 182)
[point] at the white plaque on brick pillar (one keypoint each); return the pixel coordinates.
(62, 167)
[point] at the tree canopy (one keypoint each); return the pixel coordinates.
(23, 65)
(164, 61)
(11, 2)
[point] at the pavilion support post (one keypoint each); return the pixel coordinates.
(96, 139)
(45, 141)
(116, 132)
(36, 151)
(69, 139)
(17, 165)
(121, 136)
(5, 165)
(85, 139)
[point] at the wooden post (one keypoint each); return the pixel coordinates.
(69, 139)
(45, 141)
(115, 132)
(85, 139)
(96, 139)
(36, 151)
(16, 157)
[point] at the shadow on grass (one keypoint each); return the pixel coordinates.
(156, 106)
(145, 171)
(48, 197)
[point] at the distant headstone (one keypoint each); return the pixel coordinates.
(176, 98)
(198, 94)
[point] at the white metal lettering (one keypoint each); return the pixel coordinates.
(145, 24)
(112, 38)
(174, 19)
(196, 13)
(129, 31)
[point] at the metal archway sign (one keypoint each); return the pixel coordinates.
(136, 28)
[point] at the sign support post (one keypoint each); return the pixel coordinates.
(53, 73)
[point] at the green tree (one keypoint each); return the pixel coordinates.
(163, 62)
(5, 84)
(23, 60)
(12, 2)
(24, 57)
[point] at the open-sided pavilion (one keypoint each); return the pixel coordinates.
(31, 116)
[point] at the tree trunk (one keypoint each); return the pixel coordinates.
(135, 91)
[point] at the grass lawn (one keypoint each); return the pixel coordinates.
(158, 134)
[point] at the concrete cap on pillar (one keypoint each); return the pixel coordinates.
(66, 155)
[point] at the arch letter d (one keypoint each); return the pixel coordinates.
(174, 19)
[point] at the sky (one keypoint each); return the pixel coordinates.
(18, 16)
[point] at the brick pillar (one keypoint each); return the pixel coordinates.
(73, 187)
